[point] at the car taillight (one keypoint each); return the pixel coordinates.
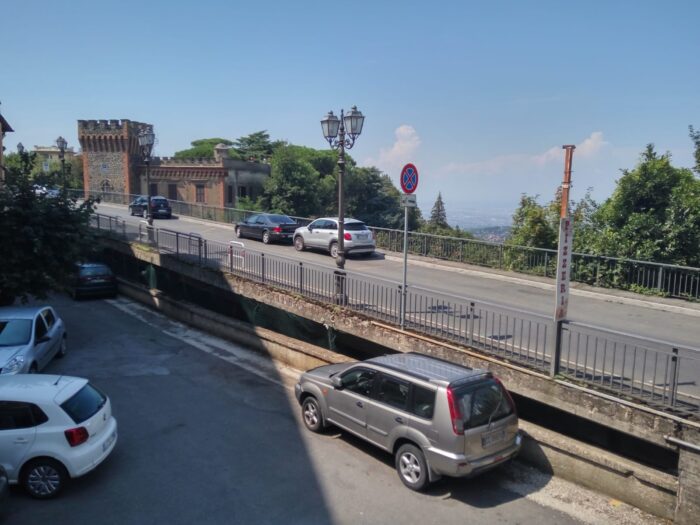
(455, 413)
(512, 403)
(76, 436)
(277, 229)
(347, 237)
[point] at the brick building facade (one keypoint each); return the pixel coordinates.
(112, 163)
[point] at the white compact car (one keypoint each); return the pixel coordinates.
(52, 428)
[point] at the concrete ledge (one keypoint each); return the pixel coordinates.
(648, 489)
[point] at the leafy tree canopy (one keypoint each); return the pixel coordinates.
(695, 137)
(42, 237)
(201, 149)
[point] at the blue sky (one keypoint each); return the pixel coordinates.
(479, 95)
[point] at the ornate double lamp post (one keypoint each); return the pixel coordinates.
(146, 139)
(61, 143)
(341, 133)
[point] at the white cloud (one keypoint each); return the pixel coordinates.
(588, 148)
(406, 143)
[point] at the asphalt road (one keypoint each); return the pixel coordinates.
(210, 433)
(681, 326)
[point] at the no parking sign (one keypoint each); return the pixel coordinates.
(409, 178)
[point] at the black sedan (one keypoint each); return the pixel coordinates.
(267, 227)
(92, 279)
(160, 207)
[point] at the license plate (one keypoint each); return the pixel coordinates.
(493, 437)
(109, 441)
(362, 237)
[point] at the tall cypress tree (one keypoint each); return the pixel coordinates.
(438, 216)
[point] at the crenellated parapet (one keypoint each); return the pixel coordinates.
(110, 135)
(172, 161)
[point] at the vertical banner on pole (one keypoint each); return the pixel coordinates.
(564, 268)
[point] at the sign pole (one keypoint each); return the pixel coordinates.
(409, 183)
(405, 267)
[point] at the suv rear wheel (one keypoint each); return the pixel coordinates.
(299, 243)
(334, 250)
(266, 237)
(411, 466)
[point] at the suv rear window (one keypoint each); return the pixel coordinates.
(84, 404)
(94, 270)
(355, 226)
(483, 403)
(159, 201)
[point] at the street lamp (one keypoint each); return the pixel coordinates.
(146, 139)
(61, 143)
(335, 130)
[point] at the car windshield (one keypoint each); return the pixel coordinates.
(280, 219)
(355, 226)
(14, 332)
(95, 270)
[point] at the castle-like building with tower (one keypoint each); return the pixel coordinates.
(112, 163)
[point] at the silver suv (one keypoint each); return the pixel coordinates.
(436, 417)
(323, 234)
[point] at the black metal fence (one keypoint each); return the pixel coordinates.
(659, 373)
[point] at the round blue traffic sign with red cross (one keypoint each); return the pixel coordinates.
(409, 178)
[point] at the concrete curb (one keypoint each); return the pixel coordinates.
(648, 489)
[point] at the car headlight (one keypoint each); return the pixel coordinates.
(14, 365)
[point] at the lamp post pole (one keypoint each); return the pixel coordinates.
(146, 139)
(62, 143)
(341, 133)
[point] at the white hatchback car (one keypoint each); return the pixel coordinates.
(52, 428)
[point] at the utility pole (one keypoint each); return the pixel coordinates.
(563, 260)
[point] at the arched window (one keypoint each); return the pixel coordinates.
(106, 186)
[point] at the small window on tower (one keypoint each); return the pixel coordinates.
(199, 195)
(103, 168)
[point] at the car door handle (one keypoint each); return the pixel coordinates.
(398, 419)
(21, 441)
(359, 404)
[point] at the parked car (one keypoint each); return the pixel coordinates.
(323, 234)
(436, 417)
(4, 489)
(267, 227)
(52, 428)
(92, 279)
(160, 207)
(30, 337)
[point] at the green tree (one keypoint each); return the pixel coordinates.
(202, 149)
(532, 224)
(256, 146)
(695, 137)
(292, 187)
(640, 219)
(438, 215)
(42, 237)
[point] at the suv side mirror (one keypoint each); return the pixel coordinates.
(310, 228)
(337, 382)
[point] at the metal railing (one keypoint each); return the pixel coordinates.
(659, 373)
(609, 272)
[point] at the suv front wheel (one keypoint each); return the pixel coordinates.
(411, 466)
(311, 412)
(299, 243)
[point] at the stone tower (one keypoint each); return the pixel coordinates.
(110, 155)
